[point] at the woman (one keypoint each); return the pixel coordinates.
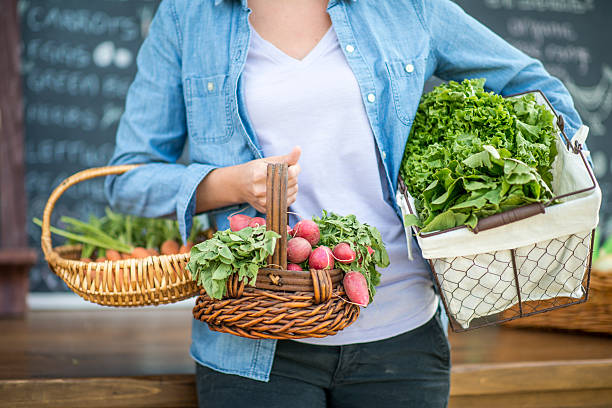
(341, 79)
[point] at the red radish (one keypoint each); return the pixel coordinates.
(308, 230)
(294, 267)
(370, 251)
(289, 229)
(257, 222)
(343, 253)
(169, 247)
(356, 288)
(298, 250)
(239, 221)
(321, 258)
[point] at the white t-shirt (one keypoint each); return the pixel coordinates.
(316, 103)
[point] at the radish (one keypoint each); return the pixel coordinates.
(356, 288)
(257, 222)
(308, 230)
(289, 229)
(186, 248)
(294, 267)
(343, 253)
(370, 251)
(321, 258)
(239, 221)
(298, 250)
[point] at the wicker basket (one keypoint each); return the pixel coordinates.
(129, 282)
(594, 316)
(284, 304)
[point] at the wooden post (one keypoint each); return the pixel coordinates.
(15, 258)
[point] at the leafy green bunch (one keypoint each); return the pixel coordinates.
(120, 232)
(473, 153)
(336, 229)
(213, 261)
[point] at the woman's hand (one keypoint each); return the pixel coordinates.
(253, 180)
(246, 183)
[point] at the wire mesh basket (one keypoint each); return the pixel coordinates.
(520, 262)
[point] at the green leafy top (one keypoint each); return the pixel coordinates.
(213, 261)
(473, 153)
(335, 229)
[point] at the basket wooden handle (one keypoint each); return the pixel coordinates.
(276, 212)
(45, 238)
(506, 217)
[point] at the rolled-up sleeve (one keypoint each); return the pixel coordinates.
(463, 48)
(153, 131)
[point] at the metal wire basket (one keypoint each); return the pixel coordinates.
(496, 286)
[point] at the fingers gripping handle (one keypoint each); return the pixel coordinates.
(276, 209)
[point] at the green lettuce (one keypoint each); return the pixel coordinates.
(472, 154)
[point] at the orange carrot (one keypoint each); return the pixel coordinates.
(185, 249)
(153, 251)
(85, 260)
(113, 255)
(140, 252)
(169, 247)
(100, 259)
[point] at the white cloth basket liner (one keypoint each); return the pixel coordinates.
(487, 254)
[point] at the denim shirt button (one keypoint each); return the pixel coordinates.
(371, 97)
(350, 48)
(409, 68)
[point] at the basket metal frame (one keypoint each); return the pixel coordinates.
(576, 148)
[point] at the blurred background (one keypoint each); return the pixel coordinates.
(79, 58)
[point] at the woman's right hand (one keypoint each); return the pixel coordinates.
(246, 183)
(252, 183)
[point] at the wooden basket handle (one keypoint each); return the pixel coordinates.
(276, 212)
(45, 238)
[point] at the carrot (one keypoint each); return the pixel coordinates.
(125, 256)
(152, 251)
(140, 252)
(85, 260)
(113, 255)
(169, 247)
(185, 249)
(100, 259)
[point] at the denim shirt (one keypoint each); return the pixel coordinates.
(188, 91)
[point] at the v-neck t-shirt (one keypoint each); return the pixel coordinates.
(316, 103)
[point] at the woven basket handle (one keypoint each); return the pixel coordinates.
(45, 238)
(276, 212)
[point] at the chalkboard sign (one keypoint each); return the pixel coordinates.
(78, 60)
(573, 40)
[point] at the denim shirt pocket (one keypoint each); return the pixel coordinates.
(208, 108)
(407, 78)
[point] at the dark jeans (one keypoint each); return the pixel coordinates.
(409, 370)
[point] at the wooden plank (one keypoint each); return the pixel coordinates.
(107, 342)
(12, 185)
(557, 399)
(488, 379)
(151, 392)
